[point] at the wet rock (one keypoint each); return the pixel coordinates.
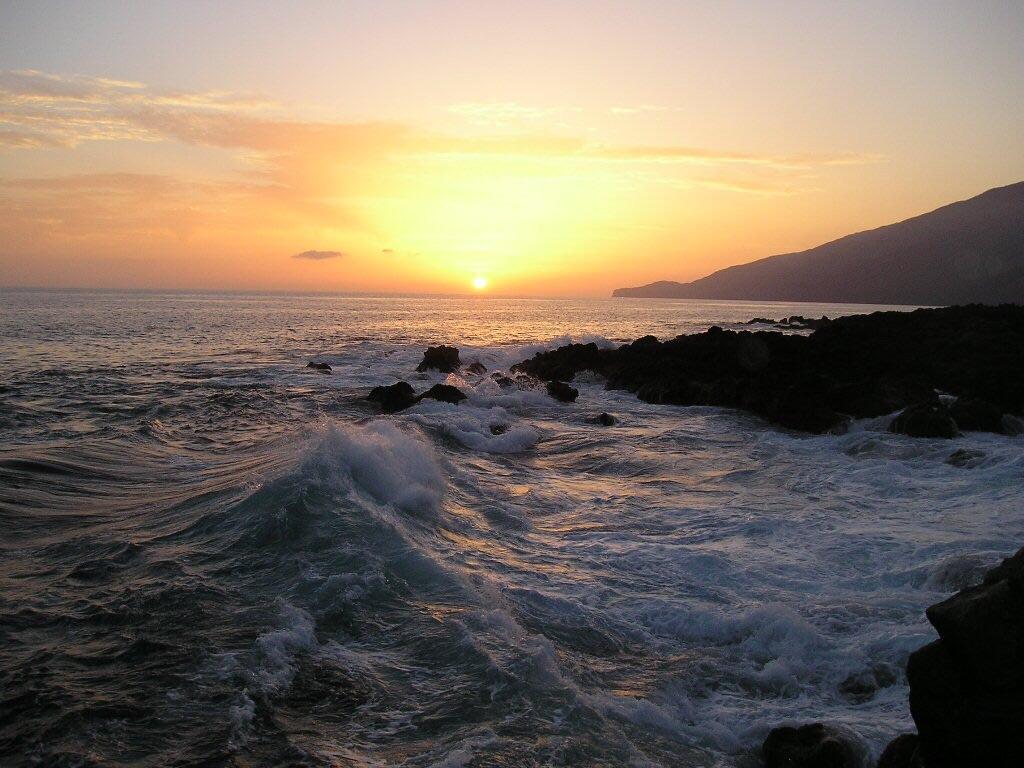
(503, 381)
(441, 358)
(761, 321)
(965, 457)
(476, 368)
(976, 415)
(929, 419)
(393, 398)
(498, 429)
(1012, 425)
(862, 686)
(812, 746)
(562, 391)
(446, 393)
(965, 686)
(861, 366)
(902, 752)
(800, 322)
(604, 419)
(321, 367)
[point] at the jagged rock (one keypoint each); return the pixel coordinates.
(761, 321)
(446, 393)
(393, 398)
(976, 415)
(929, 419)
(902, 752)
(476, 368)
(441, 358)
(604, 419)
(965, 457)
(965, 687)
(812, 746)
(322, 367)
(503, 381)
(562, 391)
(859, 366)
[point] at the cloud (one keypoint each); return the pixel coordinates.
(318, 255)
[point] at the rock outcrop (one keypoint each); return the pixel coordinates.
(928, 419)
(441, 358)
(445, 393)
(859, 366)
(562, 392)
(966, 687)
(393, 398)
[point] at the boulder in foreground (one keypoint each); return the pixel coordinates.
(965, 688)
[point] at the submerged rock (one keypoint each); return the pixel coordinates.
(862, 686)
(812, 746)
(440, 358)
(498, 429)
(965, 457)
(322, 367)
(393, 398)
(503, 381)
(476, 368)
(929, 419)
(446, 393)
(562, 391)
(965, 687)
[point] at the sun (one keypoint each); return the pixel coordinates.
(480, 282)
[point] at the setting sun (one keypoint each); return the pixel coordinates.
(480, 283)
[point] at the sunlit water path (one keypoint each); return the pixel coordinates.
(212, 556)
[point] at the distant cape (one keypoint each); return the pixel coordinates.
(967, 252)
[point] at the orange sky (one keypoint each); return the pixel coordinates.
(550, 151)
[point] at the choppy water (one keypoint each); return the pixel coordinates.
(213, 557)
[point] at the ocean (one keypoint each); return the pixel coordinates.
(211, 555)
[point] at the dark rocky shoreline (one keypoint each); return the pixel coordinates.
(852, 367)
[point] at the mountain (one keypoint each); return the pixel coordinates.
(971, 251)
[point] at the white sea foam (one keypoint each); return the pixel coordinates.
(392, 464)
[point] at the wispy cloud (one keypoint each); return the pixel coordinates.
(318, 255)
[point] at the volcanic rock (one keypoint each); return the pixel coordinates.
(393, 398)
(965, 687)
(859, 366)
(446, 393)
(562, 391)
(441, 358)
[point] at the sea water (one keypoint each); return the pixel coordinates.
(211, 555)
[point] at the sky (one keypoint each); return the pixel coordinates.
(527, 148)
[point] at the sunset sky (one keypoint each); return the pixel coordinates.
(539, 148)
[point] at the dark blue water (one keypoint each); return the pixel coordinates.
(211, 556)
